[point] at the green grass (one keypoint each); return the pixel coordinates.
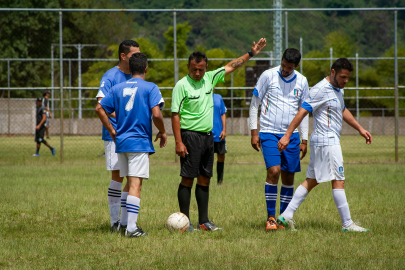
(18, 150)
(56, 216)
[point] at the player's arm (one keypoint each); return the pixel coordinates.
(285, 140)
(304, 124)
(235, 64)
(181, 149)
(42, 121)
(158, 121)
(108, 114)
(50, 114)
(102, 114)
(223, 132)
(349, 119)
(254, 108)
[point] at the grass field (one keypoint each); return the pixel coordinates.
(56, 217)
(85, 150)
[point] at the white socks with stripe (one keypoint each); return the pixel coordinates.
(114, 195)
(124, 213)
(339, 196)
(299, 196)
(133, 210)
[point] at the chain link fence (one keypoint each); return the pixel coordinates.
(27, 73)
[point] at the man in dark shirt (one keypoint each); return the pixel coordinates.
(40, 128)
(47, 95)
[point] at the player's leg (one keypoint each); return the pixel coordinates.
(114, 189)
(137, 170)
(272, 160)
(124, 213)
(47, 132)
(220, 168)
(290, 164)
(50, 147)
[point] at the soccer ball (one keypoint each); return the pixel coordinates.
(177, 222)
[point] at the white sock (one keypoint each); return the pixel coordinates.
(114, 195)
(133, 210)
(339, 196)
(299, 196)
(124, 213)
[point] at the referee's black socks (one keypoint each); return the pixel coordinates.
(202, 195)
(184, 196)
(220, 172)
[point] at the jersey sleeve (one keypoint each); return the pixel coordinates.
(216, 76)
(155, 98)
(314, 100)
(105, 86)
(108, 103)
(261, 86)
(178, 97)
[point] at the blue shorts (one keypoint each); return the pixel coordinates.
(289, 159)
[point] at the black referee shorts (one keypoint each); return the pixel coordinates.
(200, 158)
(220, 147)
(39, 134)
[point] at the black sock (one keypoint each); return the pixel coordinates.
(184, 196)
(37, 152)
(50, 148)
(202, 195)
(220, 172)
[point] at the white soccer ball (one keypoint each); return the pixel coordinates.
(177, 222)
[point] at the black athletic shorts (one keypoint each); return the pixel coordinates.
(200, 157)
(220, 147)
(39, 134)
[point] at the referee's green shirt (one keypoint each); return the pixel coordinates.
(193, 100)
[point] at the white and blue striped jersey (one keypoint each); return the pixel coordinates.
(326, 104)
(281, 98)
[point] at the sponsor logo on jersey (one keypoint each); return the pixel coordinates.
(341, 170)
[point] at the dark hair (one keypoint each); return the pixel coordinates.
(46, 92)
(137, 63)
(125, 47)
(292, 55)
(342, 63)
(198, 57)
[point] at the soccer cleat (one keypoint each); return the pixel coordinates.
(137, 233)
(354, 228)
(53, 151)
(286, 223)
(209, 226)
(115, 228)
(35, 155)
(191, 228)
(123, 228)
(271, 224)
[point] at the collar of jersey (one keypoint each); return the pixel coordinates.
(195, 82)
(288, 80)
(334, 88)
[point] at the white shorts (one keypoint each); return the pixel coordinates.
(111, 158)
(134, 164)
(326, 163)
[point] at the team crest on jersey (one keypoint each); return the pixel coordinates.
(296, 92)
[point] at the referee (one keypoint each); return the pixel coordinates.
(192, 122)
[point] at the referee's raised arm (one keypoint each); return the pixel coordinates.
(235, 64)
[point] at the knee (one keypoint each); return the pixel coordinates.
(338, 184)
(187, 182)
(221, 158)
(273, 174)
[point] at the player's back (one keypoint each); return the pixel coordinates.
(133, 101)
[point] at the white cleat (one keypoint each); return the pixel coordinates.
(354, 228)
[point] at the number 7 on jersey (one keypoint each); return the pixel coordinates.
(130, 92)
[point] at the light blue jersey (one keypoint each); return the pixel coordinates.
(326, 104)
(112, 77)
(219, 110)
(132, 101)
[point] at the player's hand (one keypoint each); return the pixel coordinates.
(257, 47)
(181, 150)
(113, 133)
(366, 135)
(303, 150)
(50, 115)
(163, 139)
(37, 127)
(255, 141)
(283, 143)
(222, 135)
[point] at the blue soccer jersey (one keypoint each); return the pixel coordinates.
(219, 110)
(112, 77)
(132, 101)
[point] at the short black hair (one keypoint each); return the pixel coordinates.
(46, 92)
(342, 63)
(198, 57)
(125, 47)
(137, 63)
(292, 55)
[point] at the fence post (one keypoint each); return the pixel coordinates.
(79, 48)
(52, 80)
(61, 85)
(302, 55)
(176, 68)
(396, 88)
(357, 88)
(70, 96)
(286, 29)
(231, 103)
(331, 56)
(9, 85)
